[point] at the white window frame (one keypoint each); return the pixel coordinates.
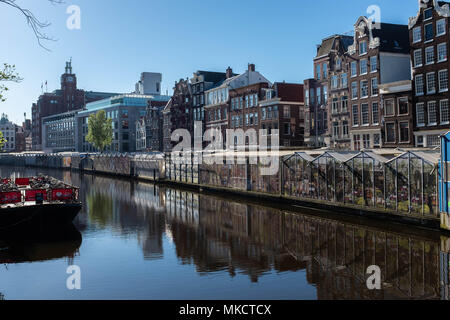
(353, 63)
(428, 50)
(363, 62)
(372, 87)
(424, 32)
(353, 116)
(417, 31)
(418, 94)
(365, 124)
(415, 64)
(422, 115)
(361, 89)
(444, 44)
(370, 62)
(437, 27)
(426, 10)
(432, 123)
(364, 53)
(377, 114)
(433, 91)
(439, 80)
(440, 112)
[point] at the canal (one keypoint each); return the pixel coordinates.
(138, 241)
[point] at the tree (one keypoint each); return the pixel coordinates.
(100, 133)
(35, 24)
(2, 141)
(8, 74)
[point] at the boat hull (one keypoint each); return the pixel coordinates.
(40, 216)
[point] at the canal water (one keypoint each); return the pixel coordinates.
(137, 241)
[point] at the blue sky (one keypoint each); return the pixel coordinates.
(120, 39)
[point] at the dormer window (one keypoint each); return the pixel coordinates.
(428, 14)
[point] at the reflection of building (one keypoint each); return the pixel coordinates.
(125, 111)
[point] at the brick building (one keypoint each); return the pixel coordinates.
(67, 98)
(429, 40)
(398, 114)
(331, 60)
(379, 54)
(218, 98)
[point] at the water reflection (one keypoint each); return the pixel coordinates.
(29, 247)
(233, 238)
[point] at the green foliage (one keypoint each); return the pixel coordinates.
(8, 73)
(100, 133)
(2, 141)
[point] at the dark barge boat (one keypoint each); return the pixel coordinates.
(37, 202)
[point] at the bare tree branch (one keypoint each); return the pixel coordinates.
(35, 24)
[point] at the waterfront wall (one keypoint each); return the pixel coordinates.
(405, 187)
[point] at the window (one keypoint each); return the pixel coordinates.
(444, 112)
(429, 55)
(354, 90)
(432, 116)
(366, 141)
(344, 102)
(363, 67)
(440, 27)
(364, 89)
(325, 70)
(420, 114)
(319, 96)
(373, 64)
(335, 129)
(442, 52)
(419, 85)
(431, 83)
(311, 94)
(287, 111)
(325, 94)
(403, 106)
(390, 132)
(404, 131)
(334, 82)
(365, 114)
(377, 140)
(306, 98)
(443, 80)
(419, 143)
(433, 141)
(428, 14)
(362, 48)
(389, 107)
(357, 142)
(354, 68)
(417, 35)
(374, 86)
(338, 64)
(375, 113)
(318, 73)
(345, 128)
(355, 115)
(429, 32)
(418, 58)
(344, 81)
(335, 105)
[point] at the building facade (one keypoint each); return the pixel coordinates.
(379, 55)
(124, 111)
(398, 116)
(218, 102)
(429, 40)
(67, 98)
(9, 134)
(59, 132)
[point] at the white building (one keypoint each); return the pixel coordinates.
(9, 134)
(150, 84)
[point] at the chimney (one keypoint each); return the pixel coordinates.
(251, 67)
(229, 73)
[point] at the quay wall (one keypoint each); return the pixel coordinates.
(397, 192)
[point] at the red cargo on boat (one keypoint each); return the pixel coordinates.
(23, 181)
(10, 197)
(62, 194)
(30, 195)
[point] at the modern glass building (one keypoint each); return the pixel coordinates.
(58, 132)
(124, 110)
